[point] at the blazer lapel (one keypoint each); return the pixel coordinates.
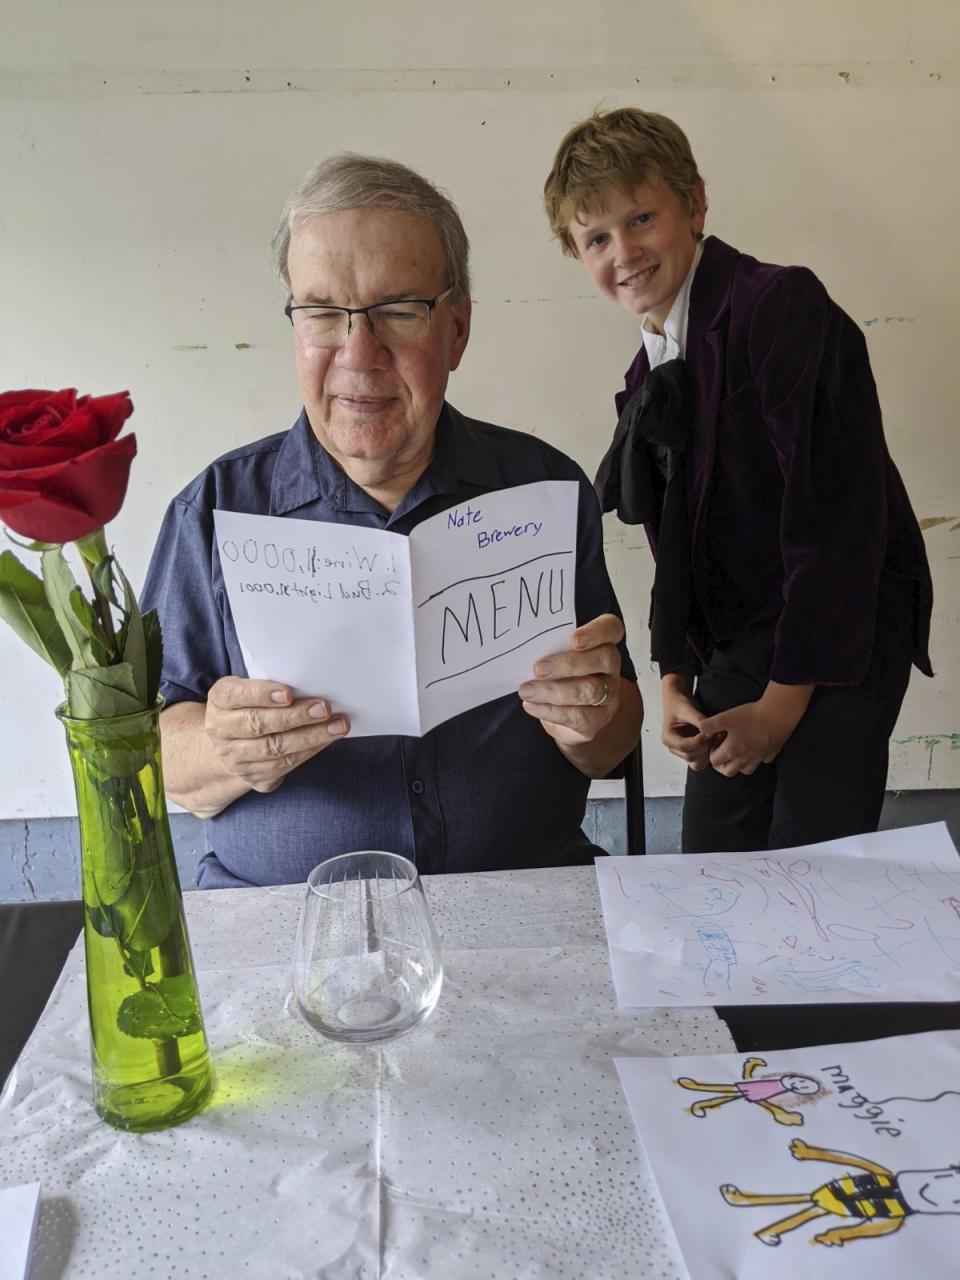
(706, 344)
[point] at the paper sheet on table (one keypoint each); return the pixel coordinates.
(866, 918)
(18, 1223)
(401, 633)
(892, 1103)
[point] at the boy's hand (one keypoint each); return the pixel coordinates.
(755, 732)
(682, 733)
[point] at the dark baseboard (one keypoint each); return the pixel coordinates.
(40, 858)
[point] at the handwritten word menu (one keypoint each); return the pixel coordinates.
(401, 633)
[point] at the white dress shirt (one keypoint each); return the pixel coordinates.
(673, 341)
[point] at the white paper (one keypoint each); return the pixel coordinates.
(18, 1223)
(891, 1104)
(401, 633)
(866, 918)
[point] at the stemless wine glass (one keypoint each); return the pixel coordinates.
(367, 960)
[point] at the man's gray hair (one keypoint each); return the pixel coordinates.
(351, 181)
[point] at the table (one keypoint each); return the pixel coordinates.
(493, 1141)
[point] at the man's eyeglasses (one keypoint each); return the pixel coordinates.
(406, 320)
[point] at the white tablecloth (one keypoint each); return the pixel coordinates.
(493, 1141)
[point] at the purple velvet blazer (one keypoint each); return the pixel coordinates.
(796, 509)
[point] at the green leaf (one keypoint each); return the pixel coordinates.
(127, 872)
(24, 605)
(134, 641)
(58, 583)
(96, 693)
(138, 964)
(99, 917)
(166, 1009)
(153, 640)
(31, 545)
(102, 575)
(96, 648)
(148, 909)
(92, 548)
(111, 878)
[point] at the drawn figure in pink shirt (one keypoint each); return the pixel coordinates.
(758, 1089)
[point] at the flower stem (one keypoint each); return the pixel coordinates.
(168, 1051)
(93, 549)
(106, 619)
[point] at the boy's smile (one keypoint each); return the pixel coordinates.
(637, 246)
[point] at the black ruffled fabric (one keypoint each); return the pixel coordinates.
(643, 478)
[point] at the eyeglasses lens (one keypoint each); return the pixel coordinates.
(392, 322)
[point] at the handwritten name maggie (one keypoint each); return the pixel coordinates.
(860, 1105)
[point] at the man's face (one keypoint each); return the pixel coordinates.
(373, 407)
(638, 246)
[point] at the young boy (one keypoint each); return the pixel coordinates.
(792, 592)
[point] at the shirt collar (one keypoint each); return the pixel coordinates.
(673, 341)
(305, 473)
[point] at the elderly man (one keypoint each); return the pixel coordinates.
(376, 263)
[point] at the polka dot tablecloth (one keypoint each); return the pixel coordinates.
(493, 1141)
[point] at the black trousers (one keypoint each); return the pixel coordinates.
(829, 779)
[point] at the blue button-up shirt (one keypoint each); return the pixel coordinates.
(486, 790)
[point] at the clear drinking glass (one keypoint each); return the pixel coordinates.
(367, 960)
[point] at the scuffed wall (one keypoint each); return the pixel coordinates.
(145, 152)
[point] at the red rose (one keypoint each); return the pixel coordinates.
(63, 473)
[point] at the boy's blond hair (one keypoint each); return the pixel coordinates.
(622, 148)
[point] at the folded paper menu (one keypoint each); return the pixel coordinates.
(402, 632)
(18, 1224)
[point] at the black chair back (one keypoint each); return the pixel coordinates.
(633, 793)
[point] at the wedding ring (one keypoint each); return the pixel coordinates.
(606, 693)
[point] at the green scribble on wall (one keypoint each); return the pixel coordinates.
(931, 740)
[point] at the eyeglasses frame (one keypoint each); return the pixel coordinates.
(350, 312)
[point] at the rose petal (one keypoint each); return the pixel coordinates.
(13, 399)
(56, 426)
(18, 412)
(76, 497)
(113, 409)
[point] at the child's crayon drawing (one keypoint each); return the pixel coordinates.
(870, 917)
(879, 1160)
(876, 1201)
(773, 1092)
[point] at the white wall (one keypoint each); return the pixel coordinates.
(145, 152)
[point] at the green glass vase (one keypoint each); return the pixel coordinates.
(151, 1062)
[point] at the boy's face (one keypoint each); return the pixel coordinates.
(638, 247)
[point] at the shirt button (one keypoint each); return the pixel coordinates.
(416, 786)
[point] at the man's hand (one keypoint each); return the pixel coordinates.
(246, 737)
(260, 732)
(577, 693)
(756, 732)
(580, 699)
